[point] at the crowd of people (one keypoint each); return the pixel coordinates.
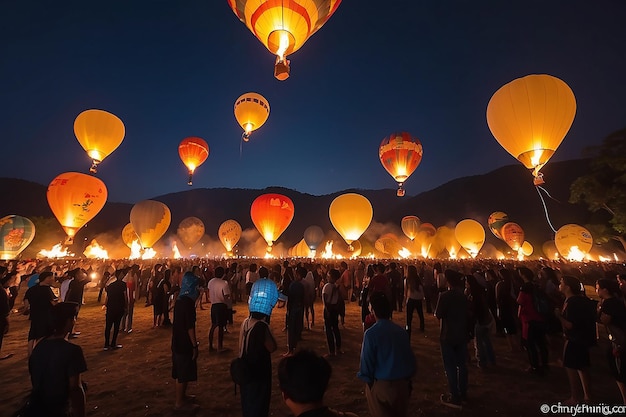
(539, 307)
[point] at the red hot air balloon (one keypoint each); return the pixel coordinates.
(400, 154)
(193, 152)
(271, 214)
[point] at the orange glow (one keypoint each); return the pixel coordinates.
(271, 215)
(95, 251)
(400, 154)
(193, 152)
(99, 133)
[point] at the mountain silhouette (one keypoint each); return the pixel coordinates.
(509, 189)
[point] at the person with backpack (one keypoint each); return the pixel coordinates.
(533, 324)
(578, 318)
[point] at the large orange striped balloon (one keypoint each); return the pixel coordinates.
(75, 199)
(283, 26)
(193, 152)
(271, 215)
(400, 154)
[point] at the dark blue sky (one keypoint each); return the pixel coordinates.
(172, 69)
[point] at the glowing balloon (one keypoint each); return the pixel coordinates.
(283, 26)
(229, 233)
(549, 249)
(496, 220)
(251, 112)
(351, 215)
(150, 219)
(527, 248)
(75, 199)
(193, 152)
(530, 116)
(129, 235)
(357, 248)
(471, 235)
(388, 244)
(513, 235)
(400, 154)
(410, 226)
(301, 250)
(16, 233)
(99, 133)
(271, 215)
(428, 229)
(573, 242)
(313, 236)
(190, 231)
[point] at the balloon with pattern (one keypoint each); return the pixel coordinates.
(129, 235)
(410, 226)
(573, 242)
(251, 111)
(16, 233)
(150, 219)
(229, 234)
(513, 234)
(400, 153)
(190, 231)
(496, 220)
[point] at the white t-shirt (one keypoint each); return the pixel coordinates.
(218, 288)
(252, 277)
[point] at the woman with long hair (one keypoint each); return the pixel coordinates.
(413, 297)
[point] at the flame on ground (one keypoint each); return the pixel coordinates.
(148, 253)
(575, 254)
(328, 251)
(452, 253)
(95, 251)
(176, 252)
(135, 250)
(404, 253)
(57, 251)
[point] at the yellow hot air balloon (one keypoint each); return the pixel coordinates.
(530, 116)
(573, 242)
(251, 112)
(75, 199)
(129, 235)
(190, 231)
(271, 215)
(99, 133)
(471, 235)
(16, 233)
(150, 219)
(357, 248)
(527, 248)
(229, 233)
(283, 26)
(410, 226)
(351, 215)
(301, 250)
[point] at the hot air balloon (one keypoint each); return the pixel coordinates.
(400, 154)
(513, 235)
(428, 229)
(16, 233)
(471, 235)
(271, 214)
(388, 244)
(496, 220)
(527, 248)
(229, 233)
(530, 116)
(75, 199)
(129, 235)
(251, 112)
(549, 249)
(99, 133)
(190, 231)
(283, 26)
(301, 250)
(150, 219)
(193, 152)
(351, 215)
(410, 226)
(313, 236)
(357, 248)
(573, 242)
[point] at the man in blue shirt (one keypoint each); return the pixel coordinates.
(387, 363)
(263, 295)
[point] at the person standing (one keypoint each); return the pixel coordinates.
(533, 324)
(184, 342)
(256, 343)
(387, 363)
(414, 296)
(397, 288)
(309, 299)
(4, 313)
(295, 311)
(452, 311)
(40, 299)
(55, 368)
(331, 298)
(115, 303)
(251, 276)
(132, 286)
(219, 295)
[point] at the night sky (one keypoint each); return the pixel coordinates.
(172, 69)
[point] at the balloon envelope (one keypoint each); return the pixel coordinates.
(16, 233)
(229, 233)
(271, 215)
(193, 152)
(471, 235)
(400, 153)
(527, 248)
(530, 116)
(496, 220)
(410, 226)
(428, 229)
(190, 231)
(99, 133)
(549, 250)
(350, 214)
(313, 236)
(150, 219)
(573, 241)
(251, 111)
(129, 235)
(75, 199)
(513, 235)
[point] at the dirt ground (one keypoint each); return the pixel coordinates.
(136, 380)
